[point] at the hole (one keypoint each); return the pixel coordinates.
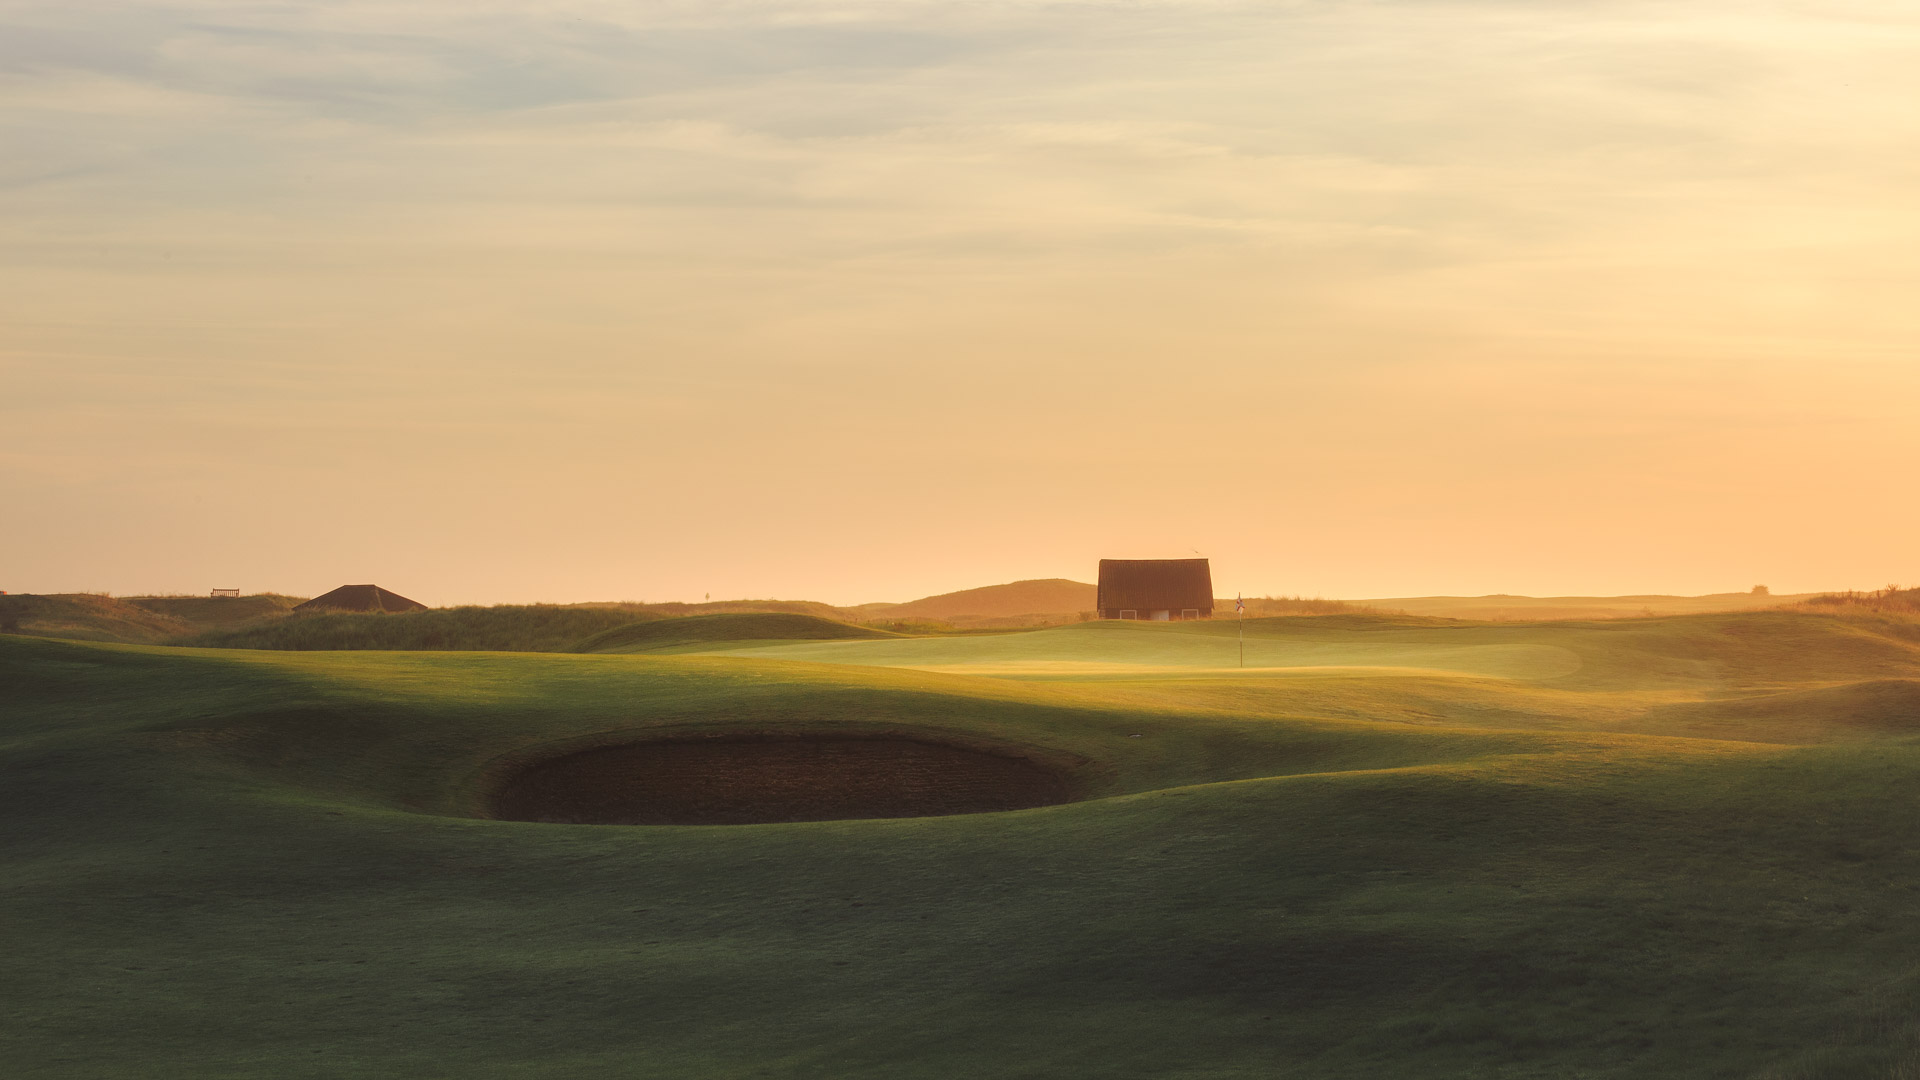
(742, 780)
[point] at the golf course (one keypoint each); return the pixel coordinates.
(1327, 847)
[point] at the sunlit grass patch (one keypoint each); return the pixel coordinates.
(1687, 853)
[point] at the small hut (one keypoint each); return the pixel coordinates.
(1158, 589)
(361, 598)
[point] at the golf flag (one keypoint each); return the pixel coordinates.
(1240, 606)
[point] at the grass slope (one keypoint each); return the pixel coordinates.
(255, 622)
(1143, 649)
(87, 617)
(134, 619)
(708, 629)
(1502, 606)
(505, 628)
(204, 613)
(1680, 847)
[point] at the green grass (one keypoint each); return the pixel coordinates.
(1149, 650)
(1677, 847)
(504, 628)
(525, 628)
(87, 617)
(728, 627)
(217, 612)
(265, 621)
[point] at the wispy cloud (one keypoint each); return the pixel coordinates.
(1022, 223)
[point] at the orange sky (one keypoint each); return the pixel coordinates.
(493, 302)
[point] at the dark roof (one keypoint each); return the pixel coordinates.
(1155, 584)
(361, 598)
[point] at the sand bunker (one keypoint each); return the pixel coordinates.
(740, 780)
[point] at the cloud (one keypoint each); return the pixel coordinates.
(987, 238)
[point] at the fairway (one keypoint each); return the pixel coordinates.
(1387, 846)
(1135, 649)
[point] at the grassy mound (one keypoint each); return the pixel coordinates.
(204, 613)
(506, 628)
(1394, 848)
(134, 619)
(1760, 648)
(525, 628)
(87, 617)
(1045, 596)
(727, 627)
(1891, 600)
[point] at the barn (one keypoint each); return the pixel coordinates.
(1158, 589)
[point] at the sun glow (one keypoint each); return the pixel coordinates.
(873, 300)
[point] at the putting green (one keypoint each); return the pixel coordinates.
(1673, 847)
(1148, 650)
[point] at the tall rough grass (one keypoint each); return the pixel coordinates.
(1892, 600)
(1269, 606)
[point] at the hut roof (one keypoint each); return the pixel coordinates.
(361, 598)
(1155, 584)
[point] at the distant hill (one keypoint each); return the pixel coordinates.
(1503, 607)
(674, 608)
(1042, 596)
(271, 621)
(739, 626)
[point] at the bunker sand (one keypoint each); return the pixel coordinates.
(763, 779)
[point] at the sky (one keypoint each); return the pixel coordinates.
(572, 300)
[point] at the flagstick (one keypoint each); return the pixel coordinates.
(1241, 605)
